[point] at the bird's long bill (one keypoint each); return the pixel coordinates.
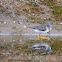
(30, 47)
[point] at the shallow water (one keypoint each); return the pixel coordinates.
(28, 34)
(23, 37)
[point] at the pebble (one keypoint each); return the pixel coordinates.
(14, 22)
(4, 22)
(20, 40)
(20, 22)
(59, 3)
(60, 23)
(24, 26)
(51, 6)
(45, 18)
(13, 40)
(33, 14)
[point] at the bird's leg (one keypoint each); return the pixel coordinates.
(39, 37)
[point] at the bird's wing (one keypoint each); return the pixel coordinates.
(40, 27)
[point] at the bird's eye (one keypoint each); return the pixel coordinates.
(33, 47)
(33, 28)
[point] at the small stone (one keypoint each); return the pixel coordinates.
(33, 14)
(24, 26)
(45, 18)
(4, 22)
(14, 22)
(51, 6)
(20, 40)
(36, 1)
(59, 3)
(20, 22)
(13, 40)
(21, 10)
(60, 23)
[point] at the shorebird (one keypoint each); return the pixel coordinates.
(42, 47)
(43, 28)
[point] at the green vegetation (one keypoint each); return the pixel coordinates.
(56, 45)
(14, 28)
(27, 20)
(37, 61)
(32, 3)
(36, 19)
(50, 3)
(32, 21)
(57, 10)
(14, 18)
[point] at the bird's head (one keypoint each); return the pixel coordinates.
(49, 51)
(50, 23)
